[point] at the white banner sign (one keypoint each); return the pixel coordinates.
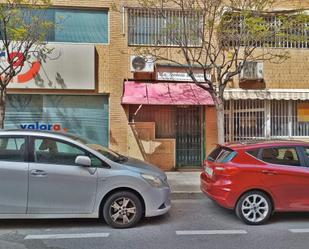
(68, 66)
(181, 76)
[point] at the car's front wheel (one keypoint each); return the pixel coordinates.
(122, 209)
(254, 208)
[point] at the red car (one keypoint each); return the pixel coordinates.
(258, 179)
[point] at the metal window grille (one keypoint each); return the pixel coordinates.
(286, 121)
(158, 27)
(263, 119)
(244, 120)
(279, 34)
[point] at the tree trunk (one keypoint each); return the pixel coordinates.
(2, 107)
(220, 122)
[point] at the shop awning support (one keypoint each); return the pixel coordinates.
(135, 113)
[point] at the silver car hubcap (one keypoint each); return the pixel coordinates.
(122, 210)
(255, 208)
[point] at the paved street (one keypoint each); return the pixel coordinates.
(190, 224)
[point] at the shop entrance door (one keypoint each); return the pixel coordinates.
(188, 136)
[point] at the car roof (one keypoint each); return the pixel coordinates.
(255, 144)
(52, 134)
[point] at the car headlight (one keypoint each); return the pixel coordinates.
(153, 181)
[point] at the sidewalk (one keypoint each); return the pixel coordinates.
(185, 185)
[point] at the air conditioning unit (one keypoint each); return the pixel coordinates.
(252, 70)
(142, 64)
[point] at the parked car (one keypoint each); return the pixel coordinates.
(52, 175)
(258, 179)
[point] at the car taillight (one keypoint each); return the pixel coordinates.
(226, 170)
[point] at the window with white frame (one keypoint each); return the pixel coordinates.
(157, 27)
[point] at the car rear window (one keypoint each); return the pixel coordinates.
(222, 155)
(214, 154)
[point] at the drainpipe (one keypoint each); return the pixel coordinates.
(123, 20)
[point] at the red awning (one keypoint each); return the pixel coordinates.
(165, 94)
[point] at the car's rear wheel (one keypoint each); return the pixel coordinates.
(122, 209)
(254, 208)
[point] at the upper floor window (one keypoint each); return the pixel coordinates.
(269, 30)
(77, 25)
(153, 27)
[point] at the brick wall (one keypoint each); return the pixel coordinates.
(291, 74)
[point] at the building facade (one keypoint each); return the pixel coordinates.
(101, 91)
(274, 104)
(60, 92)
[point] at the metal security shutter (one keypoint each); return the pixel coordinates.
(85, 116)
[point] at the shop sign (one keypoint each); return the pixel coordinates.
(181, 76)
(43, 127)
(68, 66)
(303, 112)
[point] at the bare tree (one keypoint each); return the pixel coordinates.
(23, 30)
(219, 36)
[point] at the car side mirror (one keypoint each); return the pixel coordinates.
(83, 161)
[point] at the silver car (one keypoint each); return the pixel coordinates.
(52, 175)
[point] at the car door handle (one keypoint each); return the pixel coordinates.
(269, 172)
(37, 172)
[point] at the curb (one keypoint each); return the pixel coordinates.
(186, 195)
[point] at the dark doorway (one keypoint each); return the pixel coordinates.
(188, 136)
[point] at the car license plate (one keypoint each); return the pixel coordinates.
(209, 171)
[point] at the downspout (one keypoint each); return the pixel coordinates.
(123, 20)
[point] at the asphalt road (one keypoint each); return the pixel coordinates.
(190, 224)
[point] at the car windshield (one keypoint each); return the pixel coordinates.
(111, 155)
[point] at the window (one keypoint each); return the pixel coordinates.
(282, 156)
(221, 155)
(12, 149)
(254, 153)
(56, 112)
(76, 25)
(47, 150)
(306, 152)
(251, 119)
(214, 154)
(111, 155)
(226, 155)
(96, 162)
(275, 31)
(55, 152)
(244, 120)
(164, 27)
